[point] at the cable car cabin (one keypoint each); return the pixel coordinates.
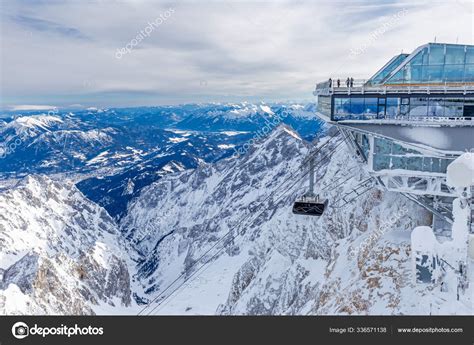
(309, 206)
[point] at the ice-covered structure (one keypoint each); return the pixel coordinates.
(448, 262)
(412, 124)
(460, 173)
(410, 121)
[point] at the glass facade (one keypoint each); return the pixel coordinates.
(393, 107)
(468, 107)
(387, 69)
(391, 155)
(324, 105)
(370, 107)
(361, 108)
(437, 63)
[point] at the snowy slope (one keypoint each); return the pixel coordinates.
(31, 125)
(59, 252)
(353, 260)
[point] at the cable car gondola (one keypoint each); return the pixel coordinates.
(310, 204)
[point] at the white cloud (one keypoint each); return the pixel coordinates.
(32, 107)
(64, 52)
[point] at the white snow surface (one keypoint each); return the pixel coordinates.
(353, 260)
(32, 125)
(32, 107)
(279, 263)
(59, 252)
(460, 173)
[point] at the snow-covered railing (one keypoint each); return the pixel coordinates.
(464, 121)
(431, 118)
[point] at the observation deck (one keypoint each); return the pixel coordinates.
(410, 120)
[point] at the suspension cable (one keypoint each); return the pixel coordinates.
(183, 275)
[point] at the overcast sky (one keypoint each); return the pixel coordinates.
(68, 52)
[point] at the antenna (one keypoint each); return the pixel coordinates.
(435, 39)
(457, 38)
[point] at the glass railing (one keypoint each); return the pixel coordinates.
(361, 86)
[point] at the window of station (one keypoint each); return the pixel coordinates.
(436, 165)
(453, 73)
(393, 107)
(418, 106)
(468, 109)
(367, 108)
(470, 55)
(342, 106)
(454, 54)
(357, 106)
(469, 73)
(437, 63)
(324, 105)
(391, 65)
(382, 162)
(381, 107)
(436, 107)
(436, 54)
(405, 106)
(390, 155)
(354, 108)
(370, 106)
(449, 107)
(414, 163)
(434, 74)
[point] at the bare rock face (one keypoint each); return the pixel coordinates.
(22, 273)
(60, 253)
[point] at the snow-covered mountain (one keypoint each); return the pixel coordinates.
(262, 259)
(59, 252)
(278, 263)
(108, 150)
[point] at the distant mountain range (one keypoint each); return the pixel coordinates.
(113, 153)
(61, 253)
(122, 207)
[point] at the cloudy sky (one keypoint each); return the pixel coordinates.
(75, 52)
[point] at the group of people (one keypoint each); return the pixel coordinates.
(349, 82)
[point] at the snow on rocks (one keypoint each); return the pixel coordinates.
(59, 252)
(280, 263)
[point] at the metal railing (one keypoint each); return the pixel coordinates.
(343, 83)
(430, 118)
(360, 86)
(465, 121)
